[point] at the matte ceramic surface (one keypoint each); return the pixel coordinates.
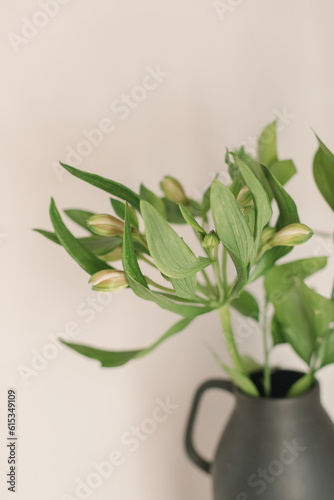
(271, 449)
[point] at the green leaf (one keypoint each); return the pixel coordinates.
(251, 365)
(147, 195)
(267, 261)
(109, 359)
(205, 207)
(323, 171)
(119, 208)
(185, 287)
(232, 229)
(100, 245)
(283, 170)
(247, 305)
(139, 286)
(303, 385)
(173, 212)
(242, 381)
(286, 205)
(327, 347)
(303, 314)
(267, 148)
(79, 217)
(170, 253)
(263, 210)
(277, 332)
(86, 259)
(107, 185)
(49, 235)
(191, 220)
(282, 277)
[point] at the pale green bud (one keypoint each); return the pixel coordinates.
(108, 280)
(267, 233)
(291, 235)
(210, 240)
(245, 200)
(106, 225)
(173, 190)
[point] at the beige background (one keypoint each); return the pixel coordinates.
(231, 70)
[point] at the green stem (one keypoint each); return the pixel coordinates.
(160, 287)
(266, 371)
(208, 282)
(224, 271)
(216, 269)
(144, 259)
(225, 318)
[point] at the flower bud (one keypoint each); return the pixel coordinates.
(173, 190)
(291, 235)
(108, 280)
(267, 233)
(106, 225)
(210, 240)
(245, 200)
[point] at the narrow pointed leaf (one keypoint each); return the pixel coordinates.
(231, 226)
(107, 185)
(173, 212)
(267, 147)
(286, 205)
(119, 208)
(49, 235)
(170, 253)
(283, 170)
(302, 385)
(80, 217)
(147, 195)
(191, 220)
(99, 245)
(86, 259)
(139, 286)
(110, 359)
(241, 380)
(263, 210)
(323, 171)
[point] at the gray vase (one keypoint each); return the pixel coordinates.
(272, 448)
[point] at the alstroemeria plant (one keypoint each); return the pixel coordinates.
(232, 222)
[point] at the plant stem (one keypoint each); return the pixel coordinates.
(208, 282)
(266, 371)
(144, 259)
(217, 273)
(225, 318)
(224, 272)
(160, 287)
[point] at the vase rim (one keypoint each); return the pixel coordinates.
(296, 374)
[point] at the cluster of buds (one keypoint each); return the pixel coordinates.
(173, 190)
(108, 280)
(106, 225)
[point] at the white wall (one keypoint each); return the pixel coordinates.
(228, 76)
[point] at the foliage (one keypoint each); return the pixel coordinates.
(232, 222)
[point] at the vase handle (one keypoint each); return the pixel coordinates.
(225, 385)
